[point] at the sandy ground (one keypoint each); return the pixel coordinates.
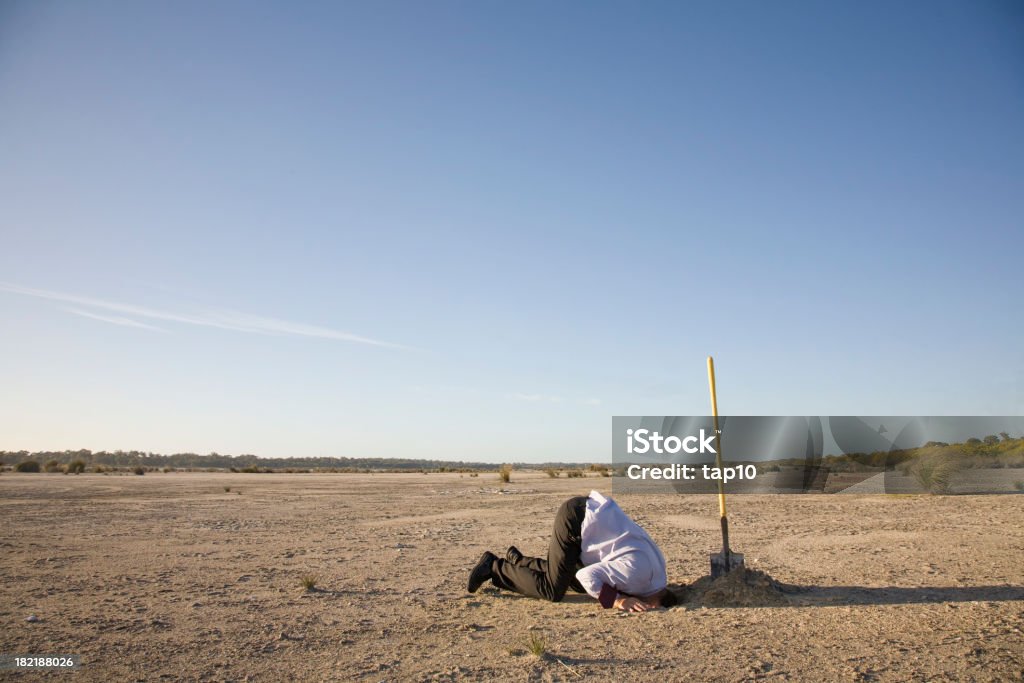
(170, 577)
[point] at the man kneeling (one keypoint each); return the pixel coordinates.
(596, 549)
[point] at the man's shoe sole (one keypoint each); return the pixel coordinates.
(481, 572)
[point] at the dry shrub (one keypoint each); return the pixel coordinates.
(935, 472)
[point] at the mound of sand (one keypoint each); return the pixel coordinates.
(739, 588)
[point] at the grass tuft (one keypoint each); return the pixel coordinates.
(227, 489)
(536, 643)
(505, 473)
(309, 582)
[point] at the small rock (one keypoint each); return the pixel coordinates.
(32, 618)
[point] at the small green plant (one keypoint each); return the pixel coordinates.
(27, 466)
(505, 473)
(309, 582)
(552, 472)
(536, 643)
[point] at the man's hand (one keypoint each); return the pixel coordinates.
(627, 603)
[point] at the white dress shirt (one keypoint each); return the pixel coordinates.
(616, 551)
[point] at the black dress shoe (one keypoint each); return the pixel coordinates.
(513, 555)
(481, 572)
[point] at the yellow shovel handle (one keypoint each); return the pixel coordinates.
(718, 436)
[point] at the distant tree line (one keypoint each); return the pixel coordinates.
(992, 451)
(248, 462)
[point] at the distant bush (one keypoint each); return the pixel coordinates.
(27, 466)
(575, 474)
(934, 472)
(77, 467)
(1011, 459)
(505, 473)
(474, 474)
(98, 469)
(138, 469)
(552, 472)
(1019, 485)
(52, 466)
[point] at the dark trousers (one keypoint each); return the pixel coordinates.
(548, 578)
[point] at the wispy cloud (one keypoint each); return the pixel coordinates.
(536, 398)
(113, 319)
(220, 319)
(548, 398)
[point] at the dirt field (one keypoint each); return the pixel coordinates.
(171, 577)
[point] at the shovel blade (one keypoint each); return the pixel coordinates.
(722, 563)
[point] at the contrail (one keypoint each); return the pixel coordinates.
(224, 319)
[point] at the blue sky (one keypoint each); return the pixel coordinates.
(479, 230)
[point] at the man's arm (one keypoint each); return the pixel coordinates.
(595, 577)
(599, 581)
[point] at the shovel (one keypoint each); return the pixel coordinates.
(724, 562)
